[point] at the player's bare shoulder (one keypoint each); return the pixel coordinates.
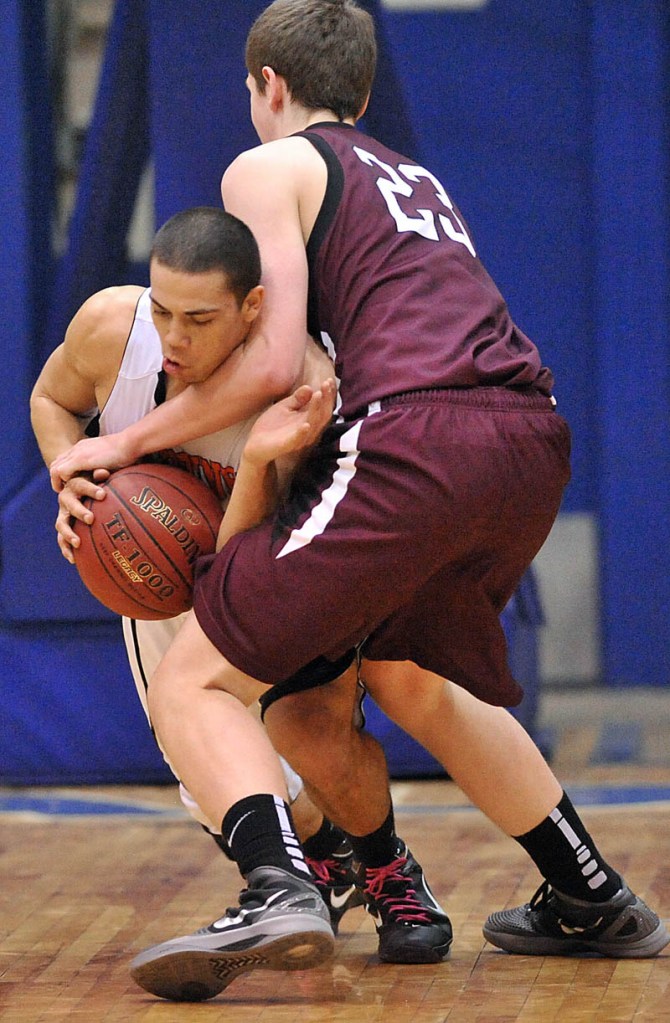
(284, 171)
(293, 156)
(97, 336)
(104, 320)
(108, 313)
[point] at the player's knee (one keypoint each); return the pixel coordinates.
(291, 726)
(170, 693)
(319, 746)
(307, 717)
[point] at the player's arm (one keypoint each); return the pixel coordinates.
(284, 171)
(288, 427)
(265, 367)
(75, 379)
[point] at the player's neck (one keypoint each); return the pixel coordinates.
(299, 119)
(173, 387)
(319, 116)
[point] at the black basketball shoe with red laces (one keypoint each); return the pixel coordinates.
(412, 926)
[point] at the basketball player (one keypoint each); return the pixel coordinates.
(129, 349)
(401, 541)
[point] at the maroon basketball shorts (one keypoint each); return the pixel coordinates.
(405, 535)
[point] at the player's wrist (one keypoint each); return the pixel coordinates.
(134, 443)
(254, 462)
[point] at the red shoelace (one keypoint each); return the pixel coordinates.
(325, 870)
(399, 898)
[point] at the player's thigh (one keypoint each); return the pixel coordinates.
(404, 691)
(192, 663)
(146, 642)
(304, 722)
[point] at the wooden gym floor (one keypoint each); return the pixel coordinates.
(90, 876)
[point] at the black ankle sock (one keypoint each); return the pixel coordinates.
(380, 847)
(566, 855)
(260, 833)
(220, 841)
(324, 842)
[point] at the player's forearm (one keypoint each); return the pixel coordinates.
(238, 389)
(253, 497)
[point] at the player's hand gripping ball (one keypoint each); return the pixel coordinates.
(138, 556)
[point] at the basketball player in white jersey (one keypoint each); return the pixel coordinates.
(126, 351)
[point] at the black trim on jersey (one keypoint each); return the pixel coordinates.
(331, 201)
(93, 428)
(318, 672)
(138, 659)
(161, 387)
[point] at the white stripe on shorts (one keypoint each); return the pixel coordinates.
(323, 512)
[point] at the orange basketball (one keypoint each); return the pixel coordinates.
(138, 556)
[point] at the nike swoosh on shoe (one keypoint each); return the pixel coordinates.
(232, 921)
(337, 901)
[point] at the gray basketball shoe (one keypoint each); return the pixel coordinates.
(281, 923)
(553, 924)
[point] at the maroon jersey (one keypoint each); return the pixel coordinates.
(410, 306)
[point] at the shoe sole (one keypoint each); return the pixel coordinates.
(195, 975)
(541, 945)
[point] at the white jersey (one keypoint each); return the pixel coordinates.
(139, 387)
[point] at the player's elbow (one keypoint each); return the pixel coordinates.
(36, 396)
(279, 379)
(38, 405)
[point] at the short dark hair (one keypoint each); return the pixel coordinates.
(324, 49)
(206, 238)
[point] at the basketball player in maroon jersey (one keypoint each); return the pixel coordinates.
(405, 535)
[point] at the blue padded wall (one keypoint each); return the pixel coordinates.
(117, 150)
(500, 101)
(631, 175)
(73, 716)
(26, 203)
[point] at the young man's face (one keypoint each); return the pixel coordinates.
(199, 321)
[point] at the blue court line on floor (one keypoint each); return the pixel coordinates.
(67, 806)
(581, 795)
(602, 795)
(619, 743)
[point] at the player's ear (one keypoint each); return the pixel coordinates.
(252, 303)
(363, 108)
(276, 91)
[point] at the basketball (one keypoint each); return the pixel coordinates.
(138, 556)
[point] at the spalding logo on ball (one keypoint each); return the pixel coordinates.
(138, 555)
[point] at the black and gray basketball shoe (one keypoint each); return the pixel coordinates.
(553, 924)
(412, 926)
(339, 882)
(281, 923)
